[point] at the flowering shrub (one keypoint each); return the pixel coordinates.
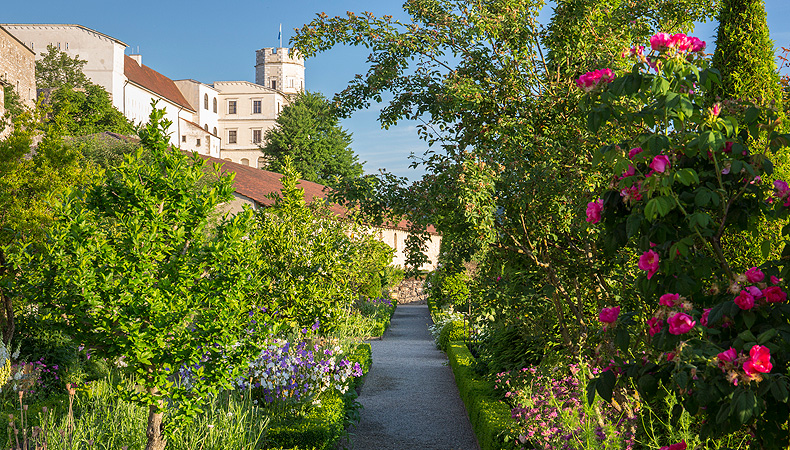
(719, 335)
(551, 413)
(291, 375)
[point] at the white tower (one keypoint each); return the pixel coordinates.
(279, 68)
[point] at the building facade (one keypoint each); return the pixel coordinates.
(104, 55)
(280, 68)
(17, 68)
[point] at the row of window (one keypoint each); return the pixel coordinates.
(232, 106)
(197, 140)
(205, 102)
(257, 136)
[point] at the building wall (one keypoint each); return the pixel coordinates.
(195, 138)
(245, 121)
(397, 240)
(137, 108)
(104, 54)
(18, 67)
(282, 65)
(202, 97)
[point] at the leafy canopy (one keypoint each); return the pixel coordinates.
(309, 133)
(56, 69)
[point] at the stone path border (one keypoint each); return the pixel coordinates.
(410, 398)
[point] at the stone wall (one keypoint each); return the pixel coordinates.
(18, 67)
(409, 291)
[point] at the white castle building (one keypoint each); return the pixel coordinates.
(226, 119)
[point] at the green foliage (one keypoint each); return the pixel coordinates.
(745, 54)
(129, 270)
(452, 331)
(56, 69)
(309, 133)
(508, 348)
(104, 150)
(316, 263)
(86, 111)
(11, 102)
(491, 419)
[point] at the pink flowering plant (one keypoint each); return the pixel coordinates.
(688, 174)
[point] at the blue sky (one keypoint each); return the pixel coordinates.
(195, 39)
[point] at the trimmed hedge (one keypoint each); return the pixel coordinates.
(490, 418)
(321, 428)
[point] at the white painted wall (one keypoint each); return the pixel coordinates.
(104, 54)
(137, 108)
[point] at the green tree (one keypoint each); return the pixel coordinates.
(309, 132)
(89, 110)
(745, 53)
(29, 182)
(130, 269)
(56, 69)
(11, 101)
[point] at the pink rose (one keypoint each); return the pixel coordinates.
(728, 355)
(760, 358)
(754, 275)
(632, 193)
(654, 325)
(649, 262)
(660, 41)
(755, 291)
(775, 280)
(782, 190)
(660, 163)
(697, 45)
(716, 110)
(745, 300)
(680, 323)
(634, 151)
(594, 210)
(704, 319)
(774, 294)
(609, 315)
(669, 300)
(727, 147)
(681, 42)
(679, 446)
(591, 80)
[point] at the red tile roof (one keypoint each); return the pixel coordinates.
(154, 82)
(256, 184)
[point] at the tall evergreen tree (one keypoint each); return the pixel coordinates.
(309, 132)
(745, 53)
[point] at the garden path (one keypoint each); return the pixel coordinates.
(410, 398)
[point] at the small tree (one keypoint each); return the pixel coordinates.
(309, 132)
(56, 69)
(131, 270)
(87, 111)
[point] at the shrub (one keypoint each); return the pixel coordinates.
(452, 331)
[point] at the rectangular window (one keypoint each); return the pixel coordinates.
(256, 136)
(232, 107)
(183, 138)
(256, 106)
(274, 84)
(231, 136)
(198, 142)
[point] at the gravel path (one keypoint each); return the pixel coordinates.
(410, 398)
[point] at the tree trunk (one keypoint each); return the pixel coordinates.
(154, 430)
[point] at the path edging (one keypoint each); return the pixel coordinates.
(490, 418)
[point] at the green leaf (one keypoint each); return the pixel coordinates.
(591, 388)
(605, 385)
(779, 389)
(622, 340)
(632, 224)
(752, 113)
(660, 86)
(765, 249)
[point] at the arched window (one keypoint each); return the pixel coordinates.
(205, 101)
(228, 159)
(215, 105)
(261, 162)
(205, 126)
(245, 162)
(215, 131)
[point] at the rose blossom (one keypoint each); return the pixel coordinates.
(660, 163)
(680, 323)
(660, 41)
(609, 315)
(634, 151)
(593, 79)
(649, 262)
(594, 211)
(774, 294)
(669, 300)
(727, 356)
(679, 446)
(775, 280)
(744, 300)
(697, 45)
(759, 361)
(654, 325)
(755, 291)
(754, 275)
(681, 42)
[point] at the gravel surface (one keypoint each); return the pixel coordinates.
(410, 398)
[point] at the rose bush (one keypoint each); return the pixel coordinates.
(695, 174)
